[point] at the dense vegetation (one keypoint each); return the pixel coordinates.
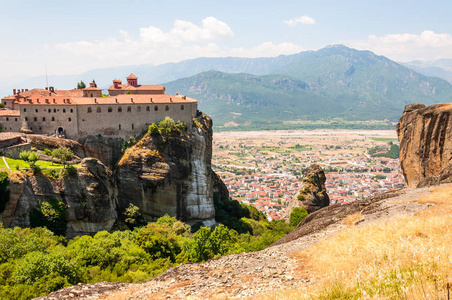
(393, 152)
(37, 261)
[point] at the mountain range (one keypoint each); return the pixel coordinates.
(335, 82)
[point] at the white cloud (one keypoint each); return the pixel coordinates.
(152, 45)
(302, 20)
(405, 47)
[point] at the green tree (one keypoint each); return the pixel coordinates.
(297, 215)
(220, 240)
(51, 214)
(133, 216)
(159, 241)
(29, 156)
(63, 154)
(81, 85)
(200, 248)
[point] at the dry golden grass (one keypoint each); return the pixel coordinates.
(353, 219)
(406, 258)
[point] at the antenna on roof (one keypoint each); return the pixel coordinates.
(47, 80)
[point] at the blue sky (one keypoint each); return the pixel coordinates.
(71, 37)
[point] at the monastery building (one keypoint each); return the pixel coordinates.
(127, 110)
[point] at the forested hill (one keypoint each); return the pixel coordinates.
(334, 82)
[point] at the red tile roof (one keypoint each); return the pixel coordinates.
(9, 113)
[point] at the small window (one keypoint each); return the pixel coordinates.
(64, 110)
(182, 107)
(54, 110)
(25, 109)
(110, 109)
(119, 126)
(139, 108)
(36, 110)
(98, 109)
(89, 109)
(43, 119)
(69, 119)
(167, 107)
(36, 119)
(148, 108)
(119, 110)
(129, 109)
(26, 119)
(50, 111)
(72, 110)
(15, 119)
(7, 119)
(133, 127)
(53, 118)
(156, 108)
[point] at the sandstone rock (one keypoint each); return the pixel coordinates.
(170, 175)
(106, 149)
(312, 195)
(425, 136)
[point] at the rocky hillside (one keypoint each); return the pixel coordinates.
(161, 174)
(425, 137)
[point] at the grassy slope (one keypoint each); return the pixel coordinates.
(407, 258)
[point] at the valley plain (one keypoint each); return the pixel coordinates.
(264, 168)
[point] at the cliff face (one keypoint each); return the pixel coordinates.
(425, 136)
(312, 195)
(90, 197)
(163, 174)
(170, 175)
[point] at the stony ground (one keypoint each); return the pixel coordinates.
(247, 275)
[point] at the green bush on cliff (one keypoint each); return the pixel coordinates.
(297, 215)
(51, 214)
(4, 190)
(153, 130)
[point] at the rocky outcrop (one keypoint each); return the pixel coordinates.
(170, 174)
(90, 197)
(106, 149)
(425, 136)
(312, 195)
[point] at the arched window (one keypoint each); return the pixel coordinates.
(133, 127)
(156, 108)
(43, 119)
(182, 107)
(50, 111)
(53, 118)
(110, 109)
(91, 94)
(25, 109)
(167, 107)
(64, 110)
(72, 110)
(98, 109)
(36, 110)
(139, 108)
(119, 110)
(15, 119)
(89, 109)
(69, 119)
(35, 119)
(7, 119)
(129, 109)
(148, 108)
(54, 110)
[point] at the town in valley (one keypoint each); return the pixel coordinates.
(264, 168)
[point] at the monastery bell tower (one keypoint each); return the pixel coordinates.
(132, 80)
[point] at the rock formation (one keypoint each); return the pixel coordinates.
(170, 175)
(425, 137)
(163, 174)
(90, 197)
(313, 195)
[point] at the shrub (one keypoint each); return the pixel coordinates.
(297, 215)
(159, 241)
(47, 152)
(153, 130)
(29, 156)
(51, 214)
(133, 216)
(64, 154)
(4, 190)
(167, 126)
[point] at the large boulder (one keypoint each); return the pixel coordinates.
(312, 195)
(425, 136)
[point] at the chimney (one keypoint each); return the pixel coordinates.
(26, 90)
(116, 100)
(47, 100)
(52, 89)
(47, 88)
(14, 91)
(151, 99)
(177, 93)
(184, 97)
(22, 90)
(64, 100)
(54, 100)
(131, 100)
(95, 100)
(171, 99)
(92, 84)
(37, 100)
